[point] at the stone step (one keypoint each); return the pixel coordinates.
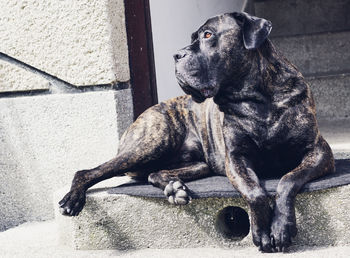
(331, 95)
(124, 222)
(325, 53)
(337, 134)
(297, 17)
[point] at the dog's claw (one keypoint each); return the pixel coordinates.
(282, 230)
(169, 189)
(177, 193)
(72, 203)
(263, 241)
(272, 240)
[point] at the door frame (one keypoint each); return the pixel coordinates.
(141, 57)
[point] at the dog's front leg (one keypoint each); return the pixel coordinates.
(242, 176)
(240, 170)
(317, 162)
(74, 201)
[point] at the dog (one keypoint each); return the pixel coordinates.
(248, 114)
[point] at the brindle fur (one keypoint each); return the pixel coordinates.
(249, 115)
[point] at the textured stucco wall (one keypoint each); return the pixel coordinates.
(80, 41)
(45, 139)
(13, 78)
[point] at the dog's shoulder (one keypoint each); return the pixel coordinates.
(286, 84)
(180, 102)
(186, 103)
(185, 109)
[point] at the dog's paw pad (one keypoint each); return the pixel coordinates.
(177, 193)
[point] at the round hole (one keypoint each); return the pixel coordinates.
(233, 223)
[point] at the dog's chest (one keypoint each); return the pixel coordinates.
(264, 130)
(270, 135)
(207, 124)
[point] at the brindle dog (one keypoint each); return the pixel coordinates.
(249, 114)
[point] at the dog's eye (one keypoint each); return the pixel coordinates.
(207, 34)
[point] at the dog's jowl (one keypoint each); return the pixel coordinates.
(249, 114)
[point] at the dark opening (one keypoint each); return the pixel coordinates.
(233, 223)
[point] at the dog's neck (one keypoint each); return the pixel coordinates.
(246, 89)
(267, 79)
(274, 68)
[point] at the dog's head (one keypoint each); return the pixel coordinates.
(217, 52)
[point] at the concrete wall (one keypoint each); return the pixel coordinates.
(80, 41)
(172, 25)
(45, 139)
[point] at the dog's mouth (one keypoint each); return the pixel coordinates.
(199, 95)
(191, 84)
(196, 95)
(207, 92)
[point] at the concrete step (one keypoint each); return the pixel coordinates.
(325, 53)
(337, 134)
(297, 17)
(124, 222)
(331, 95)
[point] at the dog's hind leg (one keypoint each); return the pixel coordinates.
(172, 181)
(147, 142)
(316, 163)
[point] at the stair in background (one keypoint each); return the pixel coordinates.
(315, 36)
(317, 54)
(300, 17)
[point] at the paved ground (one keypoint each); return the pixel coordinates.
(39, 239)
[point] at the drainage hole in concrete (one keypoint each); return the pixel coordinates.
(233, 223)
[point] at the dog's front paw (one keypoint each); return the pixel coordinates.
(72, 203)
(262, 240)
(177, 193)
(282, 231)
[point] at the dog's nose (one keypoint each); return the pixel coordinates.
(179, 55)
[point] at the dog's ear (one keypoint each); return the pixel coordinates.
(255, 30)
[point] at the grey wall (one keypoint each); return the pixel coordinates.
(45, 138)
(172, 25)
